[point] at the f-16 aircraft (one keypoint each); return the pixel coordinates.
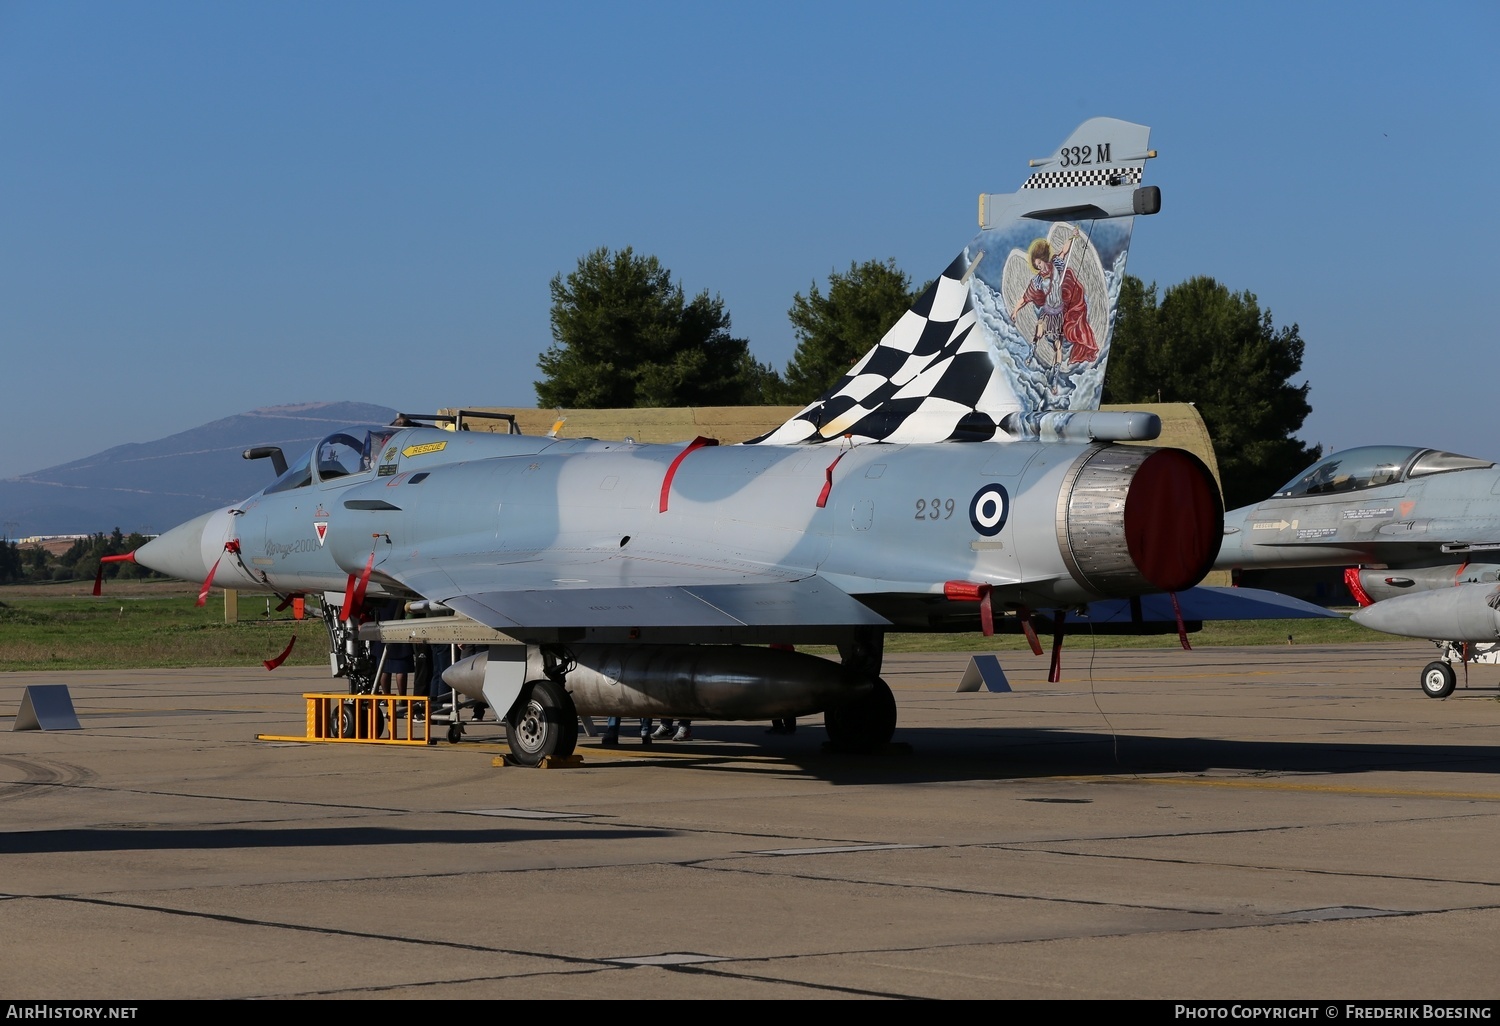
(1419, 530)
(957, 478)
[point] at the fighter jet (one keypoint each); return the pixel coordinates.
(1419, 530)
(959, 477)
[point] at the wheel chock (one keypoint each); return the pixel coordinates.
(984, 670)
(46, 707)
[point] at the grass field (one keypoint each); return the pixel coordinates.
(139, 625)
(157, 624)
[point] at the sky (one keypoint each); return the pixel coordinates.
(208, 208)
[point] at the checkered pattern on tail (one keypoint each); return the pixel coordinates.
(923, 382)
(1084, 176)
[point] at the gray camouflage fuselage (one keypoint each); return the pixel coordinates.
(1419, 527)
(491, 514)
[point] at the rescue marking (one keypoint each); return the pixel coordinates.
(1272, 525)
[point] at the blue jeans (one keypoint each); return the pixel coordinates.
(612, 726)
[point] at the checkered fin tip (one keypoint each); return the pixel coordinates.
(1082, 176)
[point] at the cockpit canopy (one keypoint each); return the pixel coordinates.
(349, 451)
(1371, 466)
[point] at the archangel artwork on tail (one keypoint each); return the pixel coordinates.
(1012, 339)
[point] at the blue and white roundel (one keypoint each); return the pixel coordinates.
(989, 509)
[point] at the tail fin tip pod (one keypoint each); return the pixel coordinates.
(1012, 339)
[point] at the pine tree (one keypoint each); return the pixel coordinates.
(835, 330)
(1205, 345)
(625, 336)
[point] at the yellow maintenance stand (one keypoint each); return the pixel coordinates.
(364, 719)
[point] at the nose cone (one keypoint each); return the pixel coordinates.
(1383, 616)
(180, 552)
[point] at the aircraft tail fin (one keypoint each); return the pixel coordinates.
(1011, 340)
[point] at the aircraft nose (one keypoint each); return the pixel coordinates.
(179, 552)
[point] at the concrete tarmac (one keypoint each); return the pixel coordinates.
(1230, 823)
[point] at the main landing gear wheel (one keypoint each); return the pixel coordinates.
(865, 724)
(351, 724)
(543, 722)
(1438, 679)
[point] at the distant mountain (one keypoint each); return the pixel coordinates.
(152, 486)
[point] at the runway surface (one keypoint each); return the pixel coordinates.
(1284, 822)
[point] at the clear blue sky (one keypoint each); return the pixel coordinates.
(209, 207)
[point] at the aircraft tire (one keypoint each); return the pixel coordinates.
(865, 725)
(1438, 679)
(350, 725)
(543, 722)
